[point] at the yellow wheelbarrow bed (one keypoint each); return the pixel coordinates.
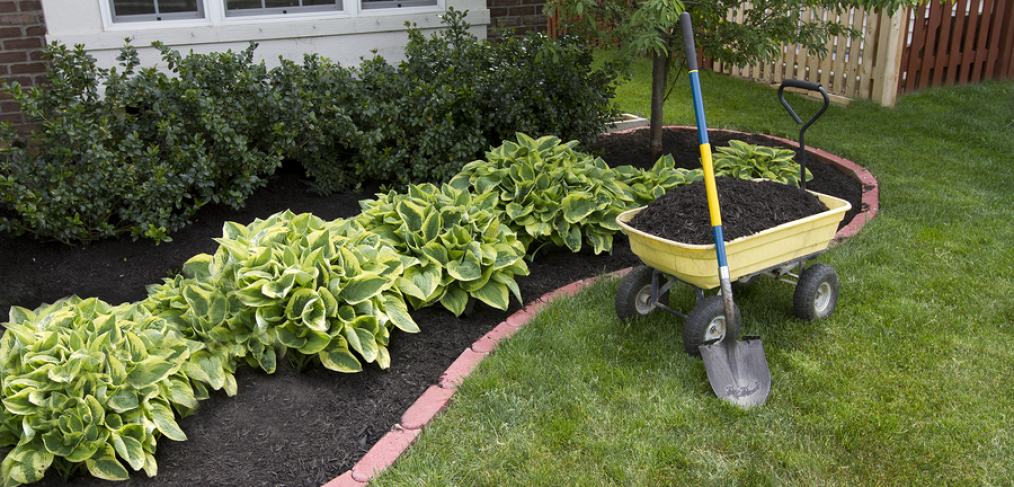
(752, 254)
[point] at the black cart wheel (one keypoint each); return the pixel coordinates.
(633, 298)
(706, 322)
(816, 292)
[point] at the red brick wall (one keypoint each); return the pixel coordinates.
(521, 15)
(22, 37)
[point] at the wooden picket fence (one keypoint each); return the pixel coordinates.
(960, 41)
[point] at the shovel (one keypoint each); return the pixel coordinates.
(738, 370)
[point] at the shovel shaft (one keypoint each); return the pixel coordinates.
(705, 144)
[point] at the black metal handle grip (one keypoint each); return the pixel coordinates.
(804, 85)
(688, 41)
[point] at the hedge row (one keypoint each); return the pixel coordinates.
(136, 151)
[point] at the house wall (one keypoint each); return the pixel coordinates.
(343, 37)
(523, 16)
(22, 37)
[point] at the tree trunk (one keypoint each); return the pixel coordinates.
(659, 70)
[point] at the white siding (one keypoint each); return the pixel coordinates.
(342, 37)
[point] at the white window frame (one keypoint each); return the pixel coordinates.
(214, 13)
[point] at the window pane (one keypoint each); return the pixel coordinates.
(268, 7)
(241, 4)
(171, 6)
(367, 4)
(134, 7)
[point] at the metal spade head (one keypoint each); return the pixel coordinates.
(738, 370)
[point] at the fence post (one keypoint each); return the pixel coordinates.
(888, 62)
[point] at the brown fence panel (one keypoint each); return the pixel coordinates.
(961, 41)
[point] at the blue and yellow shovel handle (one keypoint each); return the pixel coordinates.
(702, 135)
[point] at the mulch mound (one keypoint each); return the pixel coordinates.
(304, 429)
(745, 207)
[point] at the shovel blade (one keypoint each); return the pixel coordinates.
(738, 370)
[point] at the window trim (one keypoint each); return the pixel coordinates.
(213, 12)
(338, 6)
(155, 17)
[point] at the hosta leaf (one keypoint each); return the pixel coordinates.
(316, 341)
(573, 238)
(123, 400)
(515, 211)
(280, 287)
(198, 297)
(26, 463)
(150, 371)
(363, 287)
(234, 231)
(104, 465)
(129, 449)
(291, 336)
(455, 300)
(466, 269)
(436, 253)
(19, 315)
(362, 341)
(577, 206)
(337, 357)
(494, 294)
(237, 250)
(181, 393)
(397, 311)
(197, 267)
(411, 213)
(164, 421)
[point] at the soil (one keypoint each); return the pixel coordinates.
(745, 207)
(304, 429)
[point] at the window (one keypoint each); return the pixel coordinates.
(261, 7)
(368, 4)
(149, 10)
(137, 10)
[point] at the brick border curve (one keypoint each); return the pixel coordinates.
(386, 451)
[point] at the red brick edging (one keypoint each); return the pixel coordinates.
(386, 451)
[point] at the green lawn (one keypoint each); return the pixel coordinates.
(909, 383)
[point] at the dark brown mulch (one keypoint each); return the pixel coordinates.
(745, 207)
(290, 429)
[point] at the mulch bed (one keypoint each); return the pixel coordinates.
(304, 429)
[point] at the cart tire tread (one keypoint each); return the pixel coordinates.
(698, 326)
(634, 294)
(816, 293)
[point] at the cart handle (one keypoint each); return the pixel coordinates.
(809, 86)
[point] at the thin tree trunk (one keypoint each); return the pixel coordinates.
(659, 70)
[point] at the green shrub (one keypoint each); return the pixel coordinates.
(89, 383)
(539, 85)
(142, 156)
(323, 109)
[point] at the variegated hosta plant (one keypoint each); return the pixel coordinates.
(550, 193)
(462, 248)
(747, 161)
(293, 282)
(647, 186)
(86, 382)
